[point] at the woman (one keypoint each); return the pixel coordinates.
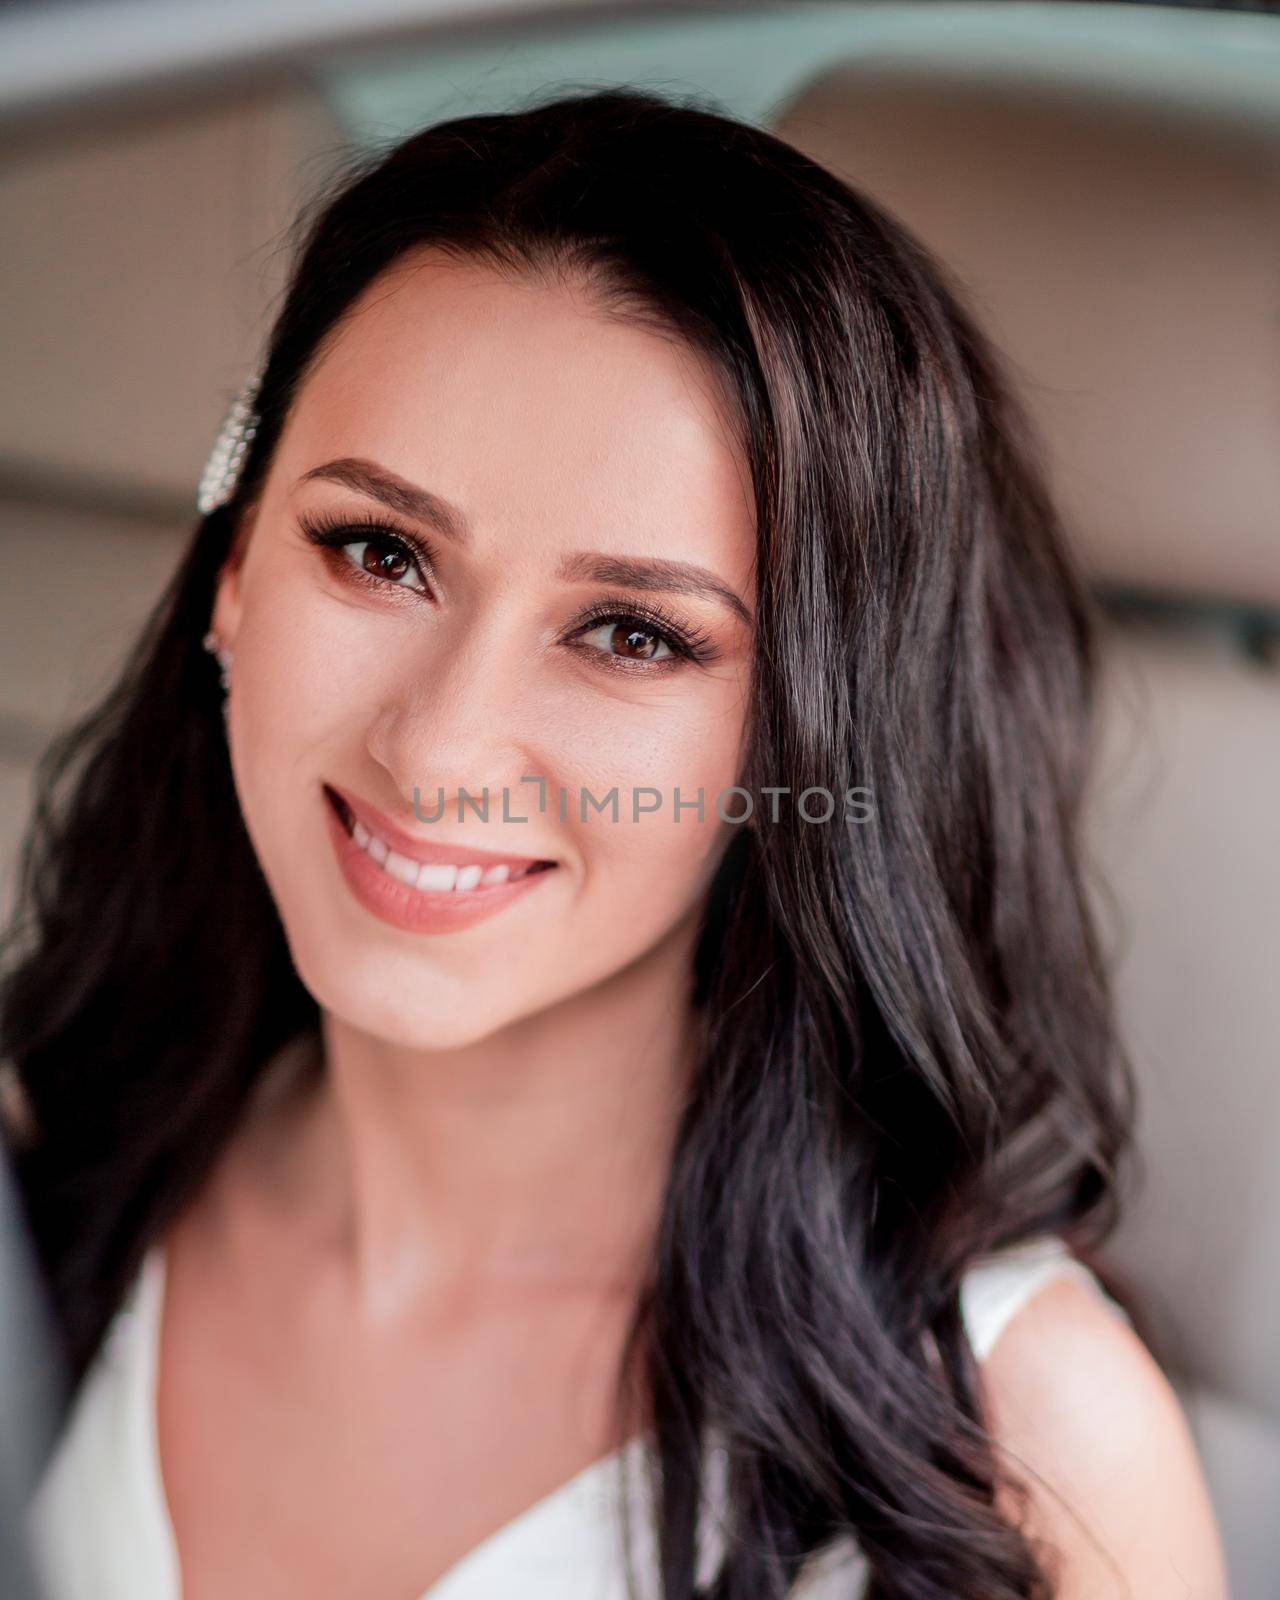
(425, 1119)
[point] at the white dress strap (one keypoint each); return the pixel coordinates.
(992, 1289)
(998, 1285)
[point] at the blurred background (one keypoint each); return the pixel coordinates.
(1104, 181)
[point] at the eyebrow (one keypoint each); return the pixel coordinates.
(628, 572)
(397, 493)
(652, 573)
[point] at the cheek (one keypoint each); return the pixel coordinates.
(296, 686)
(314, 669)
(307, 661)
(670, 765)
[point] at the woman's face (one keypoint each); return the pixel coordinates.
(540, 567)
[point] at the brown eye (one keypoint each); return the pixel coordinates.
(384, 564)
(387, 559)
(631, 642)
(638, 643)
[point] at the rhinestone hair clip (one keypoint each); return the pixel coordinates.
(222, 470)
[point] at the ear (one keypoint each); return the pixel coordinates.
(228, 600)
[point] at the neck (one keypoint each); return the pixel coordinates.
(538, 1155)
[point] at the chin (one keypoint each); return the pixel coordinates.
(401, 998)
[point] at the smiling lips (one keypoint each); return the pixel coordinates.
(419, 886)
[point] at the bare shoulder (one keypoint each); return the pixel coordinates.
(1093, 1427)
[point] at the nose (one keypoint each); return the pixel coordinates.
(455, 716)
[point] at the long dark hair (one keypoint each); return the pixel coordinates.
(908, 1055)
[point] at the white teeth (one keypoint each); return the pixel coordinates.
(432, 875)
(402, 867)
(435, 876)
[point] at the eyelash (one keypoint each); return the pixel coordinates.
(331, 533)
(689, 644)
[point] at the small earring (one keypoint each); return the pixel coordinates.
(210, 642)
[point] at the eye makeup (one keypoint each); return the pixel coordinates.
(333, 532)
(685, 643)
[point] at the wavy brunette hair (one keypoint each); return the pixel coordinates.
(907, 1049)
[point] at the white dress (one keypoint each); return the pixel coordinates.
(100, 1527)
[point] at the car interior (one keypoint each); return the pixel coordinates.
(1103, 183)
